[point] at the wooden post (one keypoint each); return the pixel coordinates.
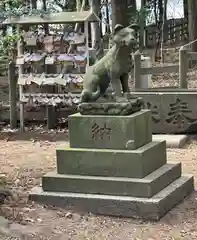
(137, 72)
(183, 67)
(51, 116)
(87, 42)
(142, 25)
(12, 95)
(50, 110)
(20, 72)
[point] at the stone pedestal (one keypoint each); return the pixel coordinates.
(112, 167)
(110, 132)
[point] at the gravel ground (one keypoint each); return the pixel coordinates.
(23, 162)
(25, 158)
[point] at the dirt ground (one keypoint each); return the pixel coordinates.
(25, 158)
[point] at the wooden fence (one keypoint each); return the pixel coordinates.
(175, 32)
(184, 57)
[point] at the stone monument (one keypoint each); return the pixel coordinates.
(112, 166)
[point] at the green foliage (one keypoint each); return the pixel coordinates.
(25, 11)
(7, 6)
(16, 8)
(12, 3)
(68, 5)
(8, 44)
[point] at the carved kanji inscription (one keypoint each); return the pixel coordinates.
(101, 132)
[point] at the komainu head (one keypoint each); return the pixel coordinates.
(124, 36)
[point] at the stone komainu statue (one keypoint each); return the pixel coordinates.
(113, 67)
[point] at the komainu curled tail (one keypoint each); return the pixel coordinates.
(88, 96)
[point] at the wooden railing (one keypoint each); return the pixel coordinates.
(139, 70)
(185, 55)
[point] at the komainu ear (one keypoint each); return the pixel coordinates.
(117, 28)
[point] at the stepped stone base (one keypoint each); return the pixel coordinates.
(114, 163)
(142, 187)
(122, 206)
(112, 167)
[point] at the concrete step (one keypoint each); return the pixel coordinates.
(112, 163)
(123, 206)
(135, 187)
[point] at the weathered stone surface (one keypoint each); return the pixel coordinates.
(172, 111)
(105, 162)
(110, 132)
(4, 222)
(113, 167)
(122, 206)
(4, 227)
(158, 102)
(144, 187)
(112, 68)
(111, 108)
(172, 141)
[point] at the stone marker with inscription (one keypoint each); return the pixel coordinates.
(112, 166)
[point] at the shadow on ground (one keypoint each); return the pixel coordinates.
(42, 135)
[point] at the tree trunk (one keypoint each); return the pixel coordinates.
(4, 27)
(185, 6)
(163, 32)
(107, 25)
(192, 17)
(142, 22)
(160, 10)
(80, 7)
(132, 4)
(27, 3)
(119, 12)
(34, 4)
(95, 26)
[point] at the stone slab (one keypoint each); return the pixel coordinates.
(4, 223)
(172, 141)
(4, 227)
(112, 163)
(145, 187)
(173, 110)
(110, 132)
(122, 206)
